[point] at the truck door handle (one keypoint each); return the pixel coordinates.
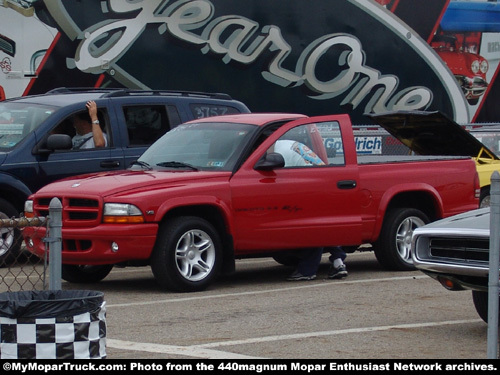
(110, 164)
(346, 184)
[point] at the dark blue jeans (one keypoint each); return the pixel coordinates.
(336, 253)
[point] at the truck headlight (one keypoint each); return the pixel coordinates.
(28, 209)
(122, 213)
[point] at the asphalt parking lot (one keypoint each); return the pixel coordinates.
(255, 313)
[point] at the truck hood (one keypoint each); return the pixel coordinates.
(112, 183)
(432, 133)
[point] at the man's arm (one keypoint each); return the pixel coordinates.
(98, 135)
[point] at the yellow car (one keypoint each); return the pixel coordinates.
(432, 133)
(486, 165)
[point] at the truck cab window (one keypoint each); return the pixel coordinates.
(332, 141)
(301, 146)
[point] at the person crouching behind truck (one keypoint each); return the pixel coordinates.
(309, 264)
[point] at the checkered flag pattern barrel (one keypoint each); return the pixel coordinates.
(53, 325)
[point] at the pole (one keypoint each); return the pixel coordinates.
(494, 264)
(54, 243)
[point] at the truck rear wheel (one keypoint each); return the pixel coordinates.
(10, 238)
(392, 249)
(187, 255)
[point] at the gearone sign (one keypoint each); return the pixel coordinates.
(313, 57)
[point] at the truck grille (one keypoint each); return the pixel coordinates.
(463, 250)
(75, 210)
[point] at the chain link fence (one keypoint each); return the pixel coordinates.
(19, 269)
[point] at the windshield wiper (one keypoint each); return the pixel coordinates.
(143, 164)
(176, 164)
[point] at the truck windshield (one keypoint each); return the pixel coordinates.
(17, 120)
(198, 146)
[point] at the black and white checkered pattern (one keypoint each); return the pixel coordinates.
(81, 336)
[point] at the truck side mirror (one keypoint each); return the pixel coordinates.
(59, 142)
(270, 161)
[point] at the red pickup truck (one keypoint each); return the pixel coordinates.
(214, 190)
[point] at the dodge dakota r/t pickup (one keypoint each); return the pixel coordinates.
(214, 190)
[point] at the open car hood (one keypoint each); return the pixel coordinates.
(432, 133)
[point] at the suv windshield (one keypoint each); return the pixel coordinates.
(198, 146)
(17, 120)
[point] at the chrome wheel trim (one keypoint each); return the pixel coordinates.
(404, 234)
(195, 255)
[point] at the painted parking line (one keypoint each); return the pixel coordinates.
(297, 336)
(204, 351)
(186, 351)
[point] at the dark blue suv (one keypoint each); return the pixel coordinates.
(36, 133)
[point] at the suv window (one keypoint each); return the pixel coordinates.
(18, 120)
(173, 115)
(67, 125)
(146, 123)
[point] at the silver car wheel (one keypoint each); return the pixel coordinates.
(404, 234)
(6, 237)
(195, 255)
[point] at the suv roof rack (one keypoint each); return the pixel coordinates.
(117, 92)
(126, 92)
(66, 90)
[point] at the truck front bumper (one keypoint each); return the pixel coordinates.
(105, 244)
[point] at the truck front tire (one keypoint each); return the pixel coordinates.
(188, 254)
(392, 249)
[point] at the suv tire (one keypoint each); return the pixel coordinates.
(10, 238)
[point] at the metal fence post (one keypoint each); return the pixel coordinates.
(54, 243)
(494, 264)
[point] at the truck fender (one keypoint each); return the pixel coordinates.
(391, 194)
(175, 204)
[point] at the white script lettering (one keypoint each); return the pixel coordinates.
(241, 40)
